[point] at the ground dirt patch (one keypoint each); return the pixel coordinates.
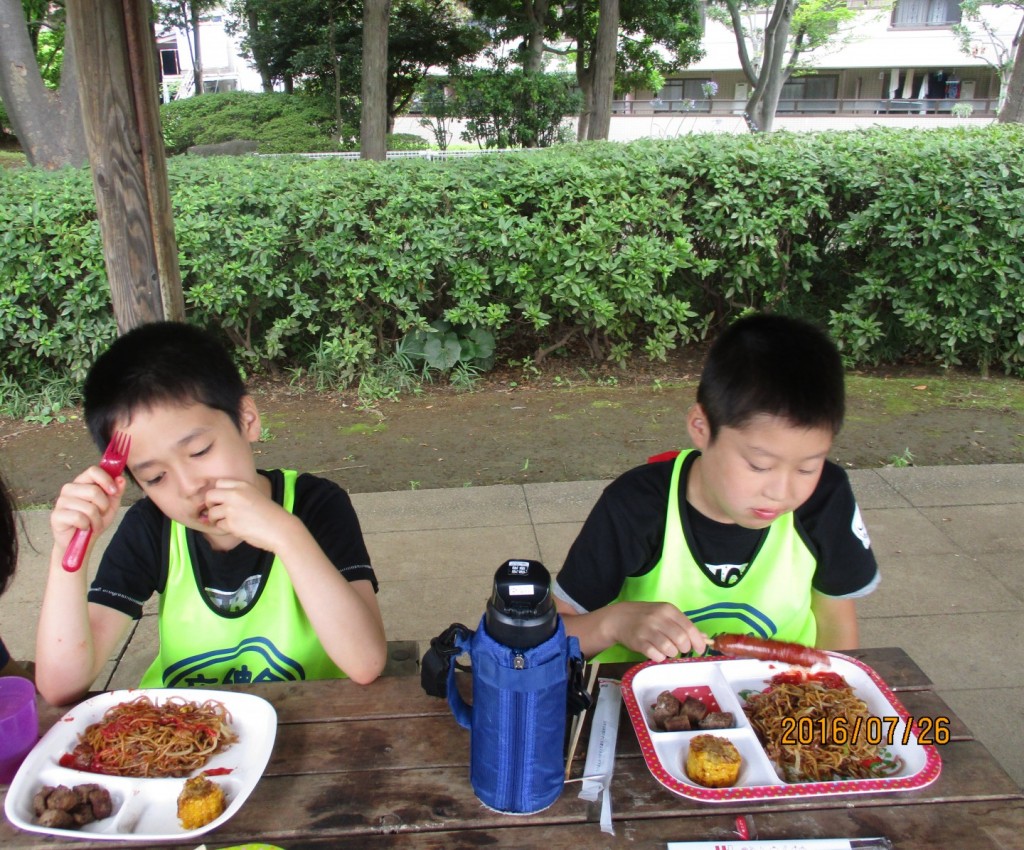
(565, 422)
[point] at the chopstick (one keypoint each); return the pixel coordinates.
(577, 722)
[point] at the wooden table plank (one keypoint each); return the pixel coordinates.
(977, 826)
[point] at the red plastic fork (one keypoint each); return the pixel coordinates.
(112, 462)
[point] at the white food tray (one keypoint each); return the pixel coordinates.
(145, 809)
(723, 682)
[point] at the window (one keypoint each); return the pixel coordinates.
(682, 96)
(214, 86)
(810, 93)
(169, 61)
(926, 13)
(811, 87)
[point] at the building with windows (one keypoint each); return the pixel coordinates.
(894, 64)
(224, 68)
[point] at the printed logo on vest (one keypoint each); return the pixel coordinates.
(734, 617)
(252, 660)
(726, 575)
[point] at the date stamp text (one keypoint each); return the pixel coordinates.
(890, 729)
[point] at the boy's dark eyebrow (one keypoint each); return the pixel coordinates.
(818, 456)
(191, 435)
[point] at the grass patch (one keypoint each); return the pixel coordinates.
(913, 394)
(362, 428)
(13, 159)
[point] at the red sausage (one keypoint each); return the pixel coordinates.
(747, 646)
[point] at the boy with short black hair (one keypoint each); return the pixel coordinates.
(753, 531)
(263, 575)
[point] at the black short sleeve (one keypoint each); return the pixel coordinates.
(832, 521)
(327, 511)
(130, 569)
(621, 537)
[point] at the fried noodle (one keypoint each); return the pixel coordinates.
(140, 738)
(800, 759)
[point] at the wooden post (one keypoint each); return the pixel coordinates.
(120, 110)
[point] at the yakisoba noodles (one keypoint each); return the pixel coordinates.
(828, 703)
(141, 738)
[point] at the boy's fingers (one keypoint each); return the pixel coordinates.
(99, 477)
(84, 499)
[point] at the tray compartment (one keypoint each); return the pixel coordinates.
(673, 748)
(54, 775)
(705, 683)
(745, 675)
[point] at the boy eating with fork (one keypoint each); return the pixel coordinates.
(262, 575)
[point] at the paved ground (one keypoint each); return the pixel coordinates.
(950, 541)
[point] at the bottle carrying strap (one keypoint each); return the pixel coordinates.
(579, 698)
(461, 710)
(439, 660)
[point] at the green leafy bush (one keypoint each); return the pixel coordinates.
(280, 123)
(933, 233)
(906, 243)
(510, 108)
(406, 142)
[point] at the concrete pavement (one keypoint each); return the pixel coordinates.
(950, 542)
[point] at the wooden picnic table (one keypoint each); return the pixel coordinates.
(385, 766)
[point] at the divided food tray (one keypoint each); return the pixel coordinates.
(722, 682)
(145, 809)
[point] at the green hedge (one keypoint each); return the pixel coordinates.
(907, 243)
(278, 123)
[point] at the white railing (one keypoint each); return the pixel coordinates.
(979, 107)
(425, 154)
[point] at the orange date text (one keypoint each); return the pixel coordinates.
(888, 730)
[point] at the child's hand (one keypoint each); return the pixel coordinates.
(658, 630)
(242, 510)
(89, 502)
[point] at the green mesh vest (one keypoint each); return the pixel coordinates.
(272, 640)
(772, 600)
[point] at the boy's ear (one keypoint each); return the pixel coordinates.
(698, 428)
(249, 419)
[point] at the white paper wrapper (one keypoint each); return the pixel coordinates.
(604, 730)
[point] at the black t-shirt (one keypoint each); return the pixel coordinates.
(134, 565)
(624, 535)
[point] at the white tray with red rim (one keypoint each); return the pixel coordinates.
(719, 683)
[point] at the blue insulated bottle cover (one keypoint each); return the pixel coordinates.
(517, 719)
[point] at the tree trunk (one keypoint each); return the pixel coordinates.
(605, 52)
(374, 120)
(537, 18)
(1013, 108)
(585, 80)
(197, 51)
(764, 99)
(336, 68)
(118, 93)
(266, 81)
(48, 124)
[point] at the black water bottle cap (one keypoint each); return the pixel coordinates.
(521, 611)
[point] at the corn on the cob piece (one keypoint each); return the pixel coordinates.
(200, 802)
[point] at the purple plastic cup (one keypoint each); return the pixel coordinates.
(19, 724)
